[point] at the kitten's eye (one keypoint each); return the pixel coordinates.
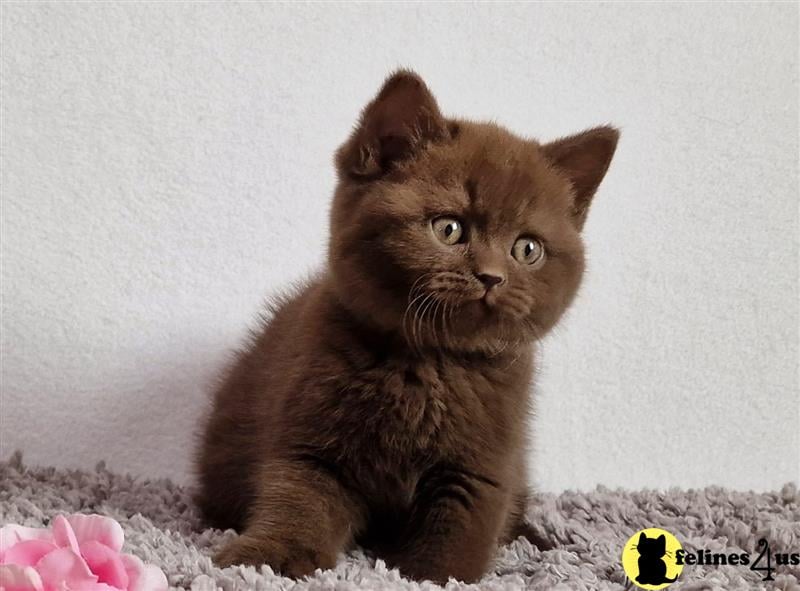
(528, 251)
(448, 230)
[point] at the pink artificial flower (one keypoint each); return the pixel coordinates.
(78, 553)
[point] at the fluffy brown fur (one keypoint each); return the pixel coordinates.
(385, 402)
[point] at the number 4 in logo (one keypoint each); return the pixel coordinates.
(764, 545)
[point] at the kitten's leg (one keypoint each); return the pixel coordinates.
(517, 526)
(301, 519)
(525, 530)
(456, 521)
(224, 488)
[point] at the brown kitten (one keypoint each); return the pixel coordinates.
(385, 402)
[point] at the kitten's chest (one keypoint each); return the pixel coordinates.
(416, 411)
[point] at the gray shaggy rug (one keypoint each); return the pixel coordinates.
(588, 529)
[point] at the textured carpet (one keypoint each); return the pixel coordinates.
(589, 530)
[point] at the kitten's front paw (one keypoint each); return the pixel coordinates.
(289, 560)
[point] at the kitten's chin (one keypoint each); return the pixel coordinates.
(481, 316)
(485, 321)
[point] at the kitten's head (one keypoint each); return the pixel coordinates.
(652, 547)
(459, 234)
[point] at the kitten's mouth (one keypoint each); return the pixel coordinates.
(489, 299)
(485, 309)
(484, 305)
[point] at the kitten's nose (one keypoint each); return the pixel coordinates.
(490, 279)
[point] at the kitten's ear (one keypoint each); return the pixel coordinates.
(642, 538)
(584, 158)
(398, 122)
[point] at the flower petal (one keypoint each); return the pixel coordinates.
(93, 587)
(143, 577)
(105, 563)
(19, 578)
(64, 535)
(12, 534)
(28, 553)
(97, 528)
(152, 579)
(63, 566)
(133, 565)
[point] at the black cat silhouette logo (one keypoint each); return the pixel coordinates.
(649, 558)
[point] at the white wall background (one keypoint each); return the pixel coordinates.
(167, 165)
